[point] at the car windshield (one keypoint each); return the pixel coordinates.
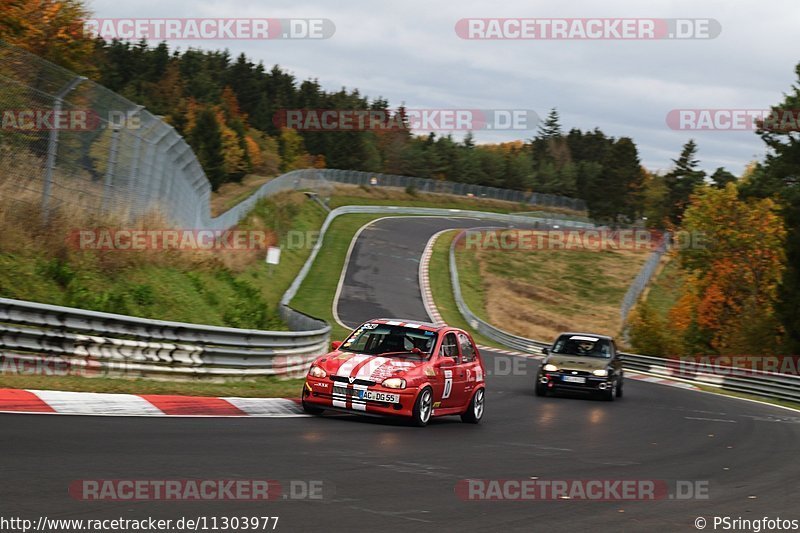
(393, 341)
(583, 346)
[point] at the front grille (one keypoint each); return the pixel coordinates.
(342, 379)
(575, 373)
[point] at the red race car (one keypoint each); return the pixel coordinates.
(392, 367)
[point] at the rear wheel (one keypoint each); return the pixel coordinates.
(423, 408)
(474, 412)
(541, 389)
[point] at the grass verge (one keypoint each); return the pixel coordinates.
(539, 293)
(442, 288)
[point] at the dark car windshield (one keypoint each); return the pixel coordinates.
(394, 341)
(582, 345)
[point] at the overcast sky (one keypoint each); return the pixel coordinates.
(408, 51)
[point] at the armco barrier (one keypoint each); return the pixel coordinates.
(116, 344)
(784, 387)
(767, 384)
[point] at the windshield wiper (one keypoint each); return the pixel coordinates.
(418, 352)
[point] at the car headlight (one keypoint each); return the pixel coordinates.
(317, 372)
(600, 373)
(550, 368)
(394, 383)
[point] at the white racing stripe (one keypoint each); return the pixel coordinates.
(358, 404)
(347, 367)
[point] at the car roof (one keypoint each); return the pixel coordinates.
(410, 323)
(583, 333)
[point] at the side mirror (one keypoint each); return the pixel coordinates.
(445, 362)
(545, 350)
(335, 345)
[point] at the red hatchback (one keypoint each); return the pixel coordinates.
(392, 367)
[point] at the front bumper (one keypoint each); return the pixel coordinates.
(591, 383)
(328, 394)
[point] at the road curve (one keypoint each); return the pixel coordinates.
(384, 476)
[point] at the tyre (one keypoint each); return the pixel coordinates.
(541, 389)
(312, 410)
(609, 394)
(474, 411)
(619, 388)
(423, 408)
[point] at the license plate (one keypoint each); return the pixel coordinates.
(574, 379)
(376, 396)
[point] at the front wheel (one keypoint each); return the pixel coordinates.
(423, 408)
(609, 394)
(474, 412)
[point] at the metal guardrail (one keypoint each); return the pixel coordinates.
(641, 282)
(134, 346)
(785, 387)
(429, 185)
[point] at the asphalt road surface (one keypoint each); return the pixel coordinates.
(380, 475)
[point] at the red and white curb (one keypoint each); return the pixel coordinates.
(107, 404)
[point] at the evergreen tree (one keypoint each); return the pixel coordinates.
(682, 180)
(206, 139)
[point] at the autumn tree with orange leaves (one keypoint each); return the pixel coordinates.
(50, 29)
(732, 277)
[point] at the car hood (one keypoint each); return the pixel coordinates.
(367, 367)
(577, 362)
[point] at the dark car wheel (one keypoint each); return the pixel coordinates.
(312, 410)
(423, 408)
(541, 389)
(474, 412)
(619, 388)
(609, 394)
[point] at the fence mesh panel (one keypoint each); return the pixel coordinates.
(68, 143)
